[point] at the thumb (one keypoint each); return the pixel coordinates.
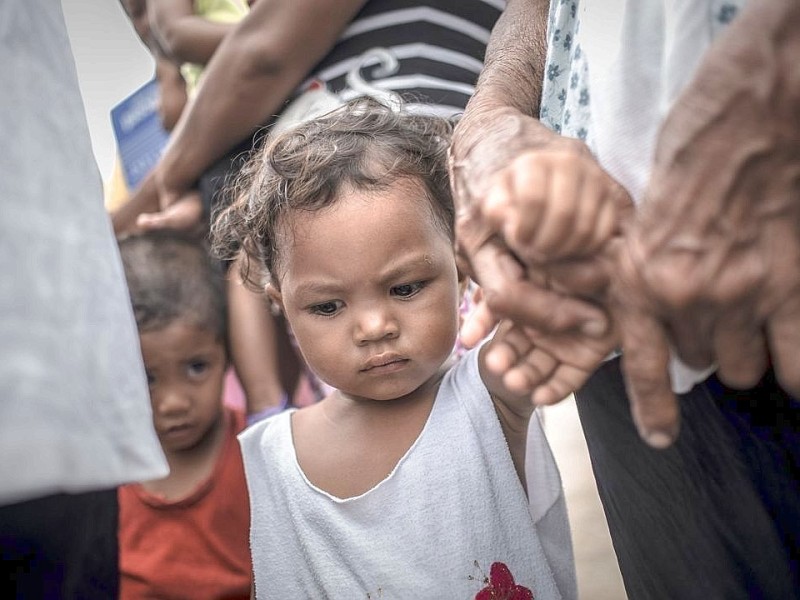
(152, 221)
(478, 324)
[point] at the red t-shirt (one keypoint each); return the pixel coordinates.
(196, 547)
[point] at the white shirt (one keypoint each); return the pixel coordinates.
(74, 405)
(451, 507)
(614, 69)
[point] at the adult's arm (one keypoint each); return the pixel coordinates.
(256, 67)
(712, 263)
(184, 35)
(172, 96)
(508, 172)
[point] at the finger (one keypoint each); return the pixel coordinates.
(582, 237)
(528, 188)
(783, 333)
(588, 276)
(478, 324)
(645, 358)
(692, 336)
(565, 380)
(606, 225)
(509, 293)
(509, 346)
(152, 221)
(560, 211)
(526, 376)
(497, 204)
(740, 350)
(622, 202)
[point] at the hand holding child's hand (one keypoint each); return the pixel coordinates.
(526, 198)
(555, 202)
(548, 366)
(186, 215)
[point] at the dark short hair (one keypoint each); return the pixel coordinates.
(363, 145)
(172, 277)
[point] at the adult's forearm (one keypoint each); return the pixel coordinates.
(513, 68)
(254, 70)
(507, 95)
(515, 56)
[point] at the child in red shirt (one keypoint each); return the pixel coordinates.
(184, 536)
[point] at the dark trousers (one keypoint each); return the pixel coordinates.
(715, 516)
(61, 546)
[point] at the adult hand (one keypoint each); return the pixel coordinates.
(518, 207)
(170, 188)
(712, 265)
(186, 214)
(549, 366)
(143, 199)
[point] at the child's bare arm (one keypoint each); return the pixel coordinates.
(523, 368)
(183, 35)
(513, 410)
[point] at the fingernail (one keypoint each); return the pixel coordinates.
(658, 439)
(594, 328)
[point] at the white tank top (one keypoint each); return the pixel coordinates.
(452, 506)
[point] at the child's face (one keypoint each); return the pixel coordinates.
(370, 289)
(185, 367)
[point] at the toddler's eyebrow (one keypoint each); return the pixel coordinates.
(407, 264)
(317, 288)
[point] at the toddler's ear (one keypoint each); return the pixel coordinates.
(275, 298)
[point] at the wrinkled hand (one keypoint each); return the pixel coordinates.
(712, 265)
(547, 367)
(508, 218)
(555, 202)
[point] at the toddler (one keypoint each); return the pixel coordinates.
(184, 536)
(409, 480)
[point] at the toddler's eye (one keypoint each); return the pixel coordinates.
(150, 378)
(197, 367)
(407, 289)
(326, 309)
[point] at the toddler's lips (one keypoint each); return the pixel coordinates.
(384, 363)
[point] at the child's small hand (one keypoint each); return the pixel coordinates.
(545, 367)
(555, 202)
(526, 198)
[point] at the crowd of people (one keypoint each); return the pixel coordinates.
(437, 216)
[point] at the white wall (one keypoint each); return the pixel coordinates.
(111, 63)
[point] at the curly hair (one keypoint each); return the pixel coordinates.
(172, 277)
(362, 145)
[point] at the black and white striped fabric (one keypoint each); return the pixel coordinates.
(439, 47)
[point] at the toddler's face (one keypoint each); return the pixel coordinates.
(370, 289)
(185, 368)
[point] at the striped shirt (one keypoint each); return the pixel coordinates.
(439, 48)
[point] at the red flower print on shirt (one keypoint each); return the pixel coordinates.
(500, 585)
